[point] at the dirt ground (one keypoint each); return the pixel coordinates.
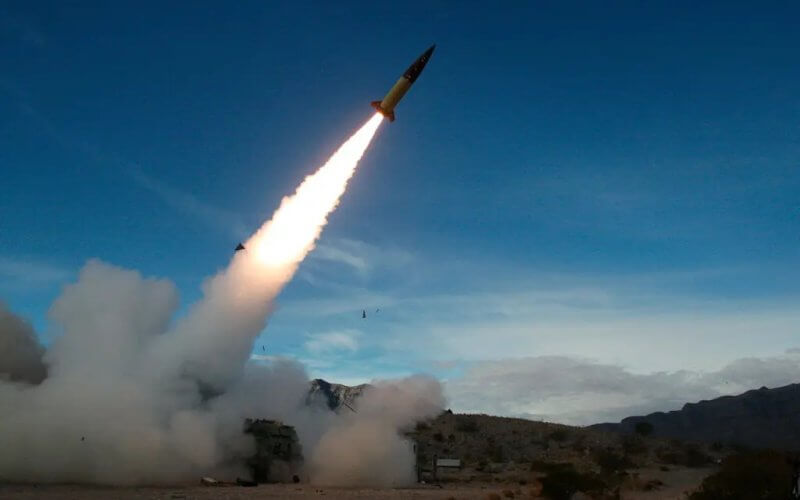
(676, 483)
(73, 492)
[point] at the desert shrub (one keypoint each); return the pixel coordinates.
(610, 461)
(694, 456)
(549, 467)
(653, 484)
(644, 428)
(561, 484)
(438, 437)
(559, 435)
(633, 444)
(579, 443)
(466, 425)
(494, 452)
(739, 448)
(689, 455)
(765, 475)
(422, 426)
(669, 456)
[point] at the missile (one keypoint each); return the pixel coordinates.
(386, 106)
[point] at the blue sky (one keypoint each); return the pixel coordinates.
(615, 183)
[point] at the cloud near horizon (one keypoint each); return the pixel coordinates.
(580, 391)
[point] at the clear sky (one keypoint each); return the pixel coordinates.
(612, 188)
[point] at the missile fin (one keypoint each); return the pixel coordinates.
(387, 114)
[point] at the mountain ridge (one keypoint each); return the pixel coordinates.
(336, 396)
(758, 418)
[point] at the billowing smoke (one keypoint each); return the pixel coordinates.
(20, 352)
(131, 397)
(364, 447)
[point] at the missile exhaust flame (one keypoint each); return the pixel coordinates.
(290, 235)
(238, 300)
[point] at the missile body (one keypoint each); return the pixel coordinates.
(386, 106)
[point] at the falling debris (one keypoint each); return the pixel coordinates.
(239, 247)
(363, 314)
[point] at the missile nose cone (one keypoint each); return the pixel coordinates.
(417, 66)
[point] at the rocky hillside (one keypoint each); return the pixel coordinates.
(337, 396)
(547, 458)
(762, 418)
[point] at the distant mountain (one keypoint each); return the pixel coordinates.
(762, 418)
(337, 396)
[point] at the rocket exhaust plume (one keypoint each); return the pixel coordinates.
(286, 239)
(244, 291)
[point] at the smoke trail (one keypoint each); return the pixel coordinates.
(215, 339)
(129, 400)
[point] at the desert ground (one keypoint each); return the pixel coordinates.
(676, 483)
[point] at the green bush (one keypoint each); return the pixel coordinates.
(438, 437)
(764, 475)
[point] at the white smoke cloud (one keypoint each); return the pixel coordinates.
(367, 446)
(134, 397)
(103, 415)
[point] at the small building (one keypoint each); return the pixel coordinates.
(278, 454)
(448, 463)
